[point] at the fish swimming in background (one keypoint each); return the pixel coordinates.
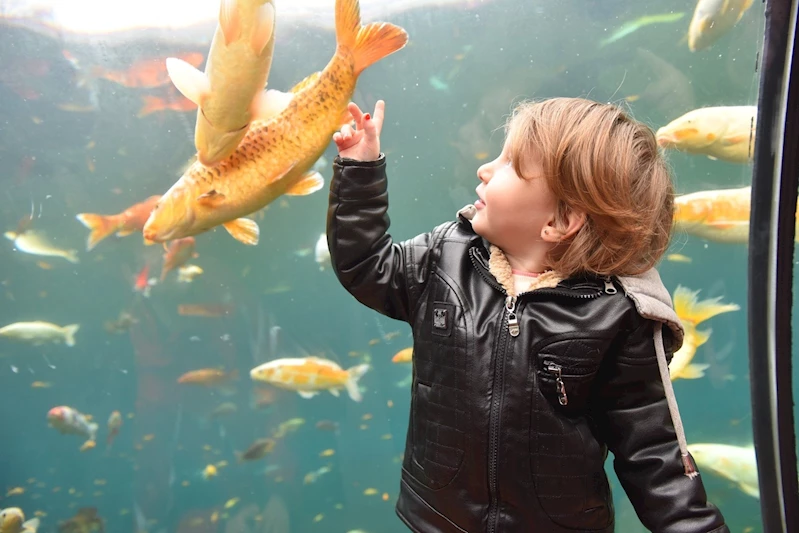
(720, 215)
(276, 156)
(122, 324)
(321, 252)
(230, 91)
(693, 312)
(641, 22)
(39, 332)
(735, 463)
(712, 19)
(177, 254)
(35, 243)
(257, 450)
(207, 377)
(309, 375)
(187, 273)
(114, 425)
(726, 133)
(155, 104)
(403, 356)
(144, 73)
(12, 520)
(205, 310)
(86, 520)
(69, 421)
(128, 221)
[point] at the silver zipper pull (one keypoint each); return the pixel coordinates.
(552, 368)
(609, 288)
(513, 322)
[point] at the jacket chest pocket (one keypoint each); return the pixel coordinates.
(438, 410)
(566, 460)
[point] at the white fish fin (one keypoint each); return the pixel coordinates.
(243, 230)
(712, 158)
(307, 394)
(69, 334)
(229, 20)
(93, 430)
(310, 182)
(31, 525)
(269, 104)
(354, 374)
(694, 371)
(191, 83)
(264, 28)
(334, 392)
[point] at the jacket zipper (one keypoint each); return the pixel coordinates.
(556, 369)
(512, 328)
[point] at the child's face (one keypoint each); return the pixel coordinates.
(512, 212)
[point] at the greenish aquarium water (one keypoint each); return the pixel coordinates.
(186, 441)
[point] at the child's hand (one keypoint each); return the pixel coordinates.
(363, 142)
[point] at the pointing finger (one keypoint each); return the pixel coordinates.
(357, 114)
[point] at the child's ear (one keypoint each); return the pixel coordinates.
(571, 224)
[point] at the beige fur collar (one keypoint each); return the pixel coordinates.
(500, 268)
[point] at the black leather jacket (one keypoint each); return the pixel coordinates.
(495, 443)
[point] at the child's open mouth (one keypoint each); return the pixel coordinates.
(479, 204)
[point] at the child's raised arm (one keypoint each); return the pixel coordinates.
(381, 274)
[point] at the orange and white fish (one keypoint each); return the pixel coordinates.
(69, 421)
(178, 253)
(309, 375)
(712, 19)
(39, 332)
(208, 377)
(726, 133)
(114, 424)
(230, 91)
(128, 221)
(12, 520)
(276, 155)
(693, 312)
(720, 215)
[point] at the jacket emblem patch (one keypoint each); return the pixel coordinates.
(443, 316)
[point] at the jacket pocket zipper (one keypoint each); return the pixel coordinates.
(557, 370)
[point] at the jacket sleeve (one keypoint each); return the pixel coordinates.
(635, 422)
(381, 274)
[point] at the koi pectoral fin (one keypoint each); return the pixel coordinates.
(269, 104)
(211, 198)
(243, 230)
(191, 83)
(309, 183)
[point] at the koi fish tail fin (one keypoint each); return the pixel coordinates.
(354, 374)
(692, 310)
(101, 227)
(69, 334)
(368, 44)
(72, 256)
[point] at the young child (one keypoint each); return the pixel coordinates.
(541, 329)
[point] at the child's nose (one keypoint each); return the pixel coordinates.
(483, 173)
